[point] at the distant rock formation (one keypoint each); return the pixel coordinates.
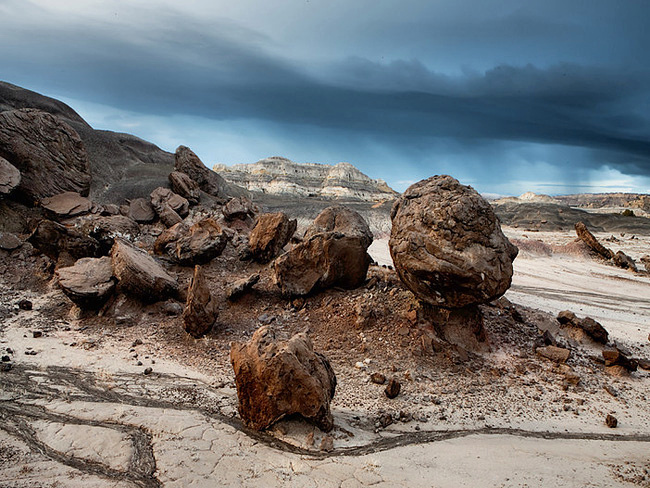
(280, 176)
(528, 197)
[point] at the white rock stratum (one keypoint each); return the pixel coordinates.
(281, 176)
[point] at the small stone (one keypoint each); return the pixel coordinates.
(378, 378)
(265, 319)
(309, 440)
(148, 371)
(385, 420)
(37, 334)
(327, 443)
(25, 305)
(6, 359)
(566, 317)
(139, 363)
(611, 421)
(393, 388)
(4, 367)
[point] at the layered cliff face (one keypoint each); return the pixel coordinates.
(281, 176)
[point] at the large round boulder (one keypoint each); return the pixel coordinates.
(47, 151)
(447, 244)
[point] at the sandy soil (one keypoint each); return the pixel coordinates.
(81, 411)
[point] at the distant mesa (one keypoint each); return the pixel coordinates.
(529, 197)
(281, 176)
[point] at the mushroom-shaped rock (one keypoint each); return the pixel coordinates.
(89, 283)
(139, 274)
(9, 177)
(270, 234)
(197, 244)
(67, 204)
(276, 378)
(185, 186)
(334, 254)
(47, 151)
(141, 210)
(200, 309)
(447, 244)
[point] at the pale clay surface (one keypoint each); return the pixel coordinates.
(194, 449)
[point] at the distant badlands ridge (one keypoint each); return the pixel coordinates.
(280, 176)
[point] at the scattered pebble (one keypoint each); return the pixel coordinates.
(393, 388)
(148, 371)
(611, 421)
(37, 334)
(25, 305)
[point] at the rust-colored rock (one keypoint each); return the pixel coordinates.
(139, 274)
(611, 421)
(624, 261)
(393, 388)
(9, 177)
(566, 317)
(447, 245)
(185, 186)
(592, 328)
(555, 354)
(614, 357)
(335, 257)
(591, 241)
(47, 151)
(189, 245)
(271, 233)
(276, 378)
(201, 309)
(89, 283)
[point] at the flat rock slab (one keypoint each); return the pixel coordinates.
(67, 204)
(141, 210)
(140, 274)
(89, 282)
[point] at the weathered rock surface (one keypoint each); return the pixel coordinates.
(210, 182)
(447, 244)
(139, 274)
(185, 186)
(240, 287)
(197, 244)
(555, 354)
(593, 329)
(615, 357)
(9, 241)
(280, 176)
(48, 152)
(89, 283)
(276, 378)
(271, 233)
(591, 241)
(105, 229)
(67, 204)
(624, 261)
(200, 309)
(9, 177)
(238, 208)
(161, 197)
(54, 240)
(333, 255)
(141, 210)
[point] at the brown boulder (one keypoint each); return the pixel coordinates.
(185, 186)
(342, 220)
(592, 328)
(9, 177)
(162, 197)
(47, 151)
(139, 274)
(555, 354)
(68, 204)
(9, 241)
(105, 229)
(200, 309)
(270, 235)
(210, 182)
(447, 245)
(238, 208)
(615, 357)
(276, 378)
(624, 261)
(89, 283)
(54, 240)
(567, 317)
(591, 241)
(141, 210)
(197, 244)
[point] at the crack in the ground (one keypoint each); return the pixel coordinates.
(30, 385)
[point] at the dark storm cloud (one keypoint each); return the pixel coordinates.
(176, 64)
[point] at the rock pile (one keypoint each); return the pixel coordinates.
(592, 328)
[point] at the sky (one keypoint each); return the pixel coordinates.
(505, 95)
